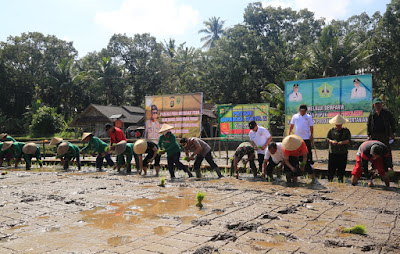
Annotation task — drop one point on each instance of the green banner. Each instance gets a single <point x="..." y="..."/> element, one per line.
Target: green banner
<point x="328" y="97"/>
<point x="234" y="119"/>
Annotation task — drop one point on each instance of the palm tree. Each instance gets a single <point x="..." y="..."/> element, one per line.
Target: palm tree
<point x="213" y="30"/>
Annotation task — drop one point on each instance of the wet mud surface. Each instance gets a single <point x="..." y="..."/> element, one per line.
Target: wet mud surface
<point x="53" y="211"/>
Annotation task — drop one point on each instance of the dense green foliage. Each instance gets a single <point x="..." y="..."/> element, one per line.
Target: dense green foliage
<point x="45" y="122"/>
<point x="246" y="63"/>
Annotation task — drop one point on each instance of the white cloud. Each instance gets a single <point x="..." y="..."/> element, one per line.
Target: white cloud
<point x="157" y="17"/>
<point x="328" y="9"/>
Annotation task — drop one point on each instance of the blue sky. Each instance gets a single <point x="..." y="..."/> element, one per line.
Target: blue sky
<point x="91" y="23"/>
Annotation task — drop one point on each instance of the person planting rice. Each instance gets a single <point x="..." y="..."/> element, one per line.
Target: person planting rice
<point x="31" y="150"/>
<point x="273" y="157"/>
<point x="378" y="154"/>
<point x="5" y="154"/>
<point x="167" y="141"/>
<point x="66" y="152"/>
<point x="151" y="149"/>
<point x="123" y="149"/>
<point x="15" y="148"/>
<point x="201" y="150"/>
<point x="245" y="148"/>
<point x="294" y="157"/>
<point x="260" y="138"/>
<point x="98" y="147"/>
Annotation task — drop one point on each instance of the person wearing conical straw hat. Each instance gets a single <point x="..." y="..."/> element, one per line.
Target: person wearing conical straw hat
<point x="15" y="148"/>
<point x="245" y="148"/>
<point x="167" y="143"/>
<point x="294" y="157"/>
<point x="303" y="126"/>
<point x="66" y="152"/>
<point x="98" y="147"/>
<point x="151" y="149"/>
<point x="124" y="149"/>
<point x="31" y="150"/>
<point x="5" y="154"/>
<point x="338" y="138"/>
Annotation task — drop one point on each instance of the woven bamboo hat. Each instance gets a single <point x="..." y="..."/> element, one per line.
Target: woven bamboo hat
<point x="3" y="135"/>
<point x="55" y="141"/>
<point x="291" y="142"/>
<point x="29" y="148"/>
<point x="62" y="148"/>
<point x="86" y="134"/>
<point x="165" y="127"/>
<point x="140" y="146"/>
<point x="120" y="147"/>
<point x="338" y="119"/>
<point x="7" y="145"/>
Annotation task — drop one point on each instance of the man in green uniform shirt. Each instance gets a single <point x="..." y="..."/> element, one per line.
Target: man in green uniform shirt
<point x="124" y="150"/>
<point x="66" y="152"/>
<point x="31" y="150"/>
<point x="97" y="146"/>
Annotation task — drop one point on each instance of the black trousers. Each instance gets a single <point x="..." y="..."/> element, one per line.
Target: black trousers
<point x="294" y="161"/>
<point x="337" y="162"/>
<point x="209" y="159"/>
<point x="270" y="167"/>
<point x="173" y="161"/>
<point x="260" y="159"/>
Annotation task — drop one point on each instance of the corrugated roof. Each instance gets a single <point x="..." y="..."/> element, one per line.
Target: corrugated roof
<point x="108" y="111"/>
<point x="134" y="109"/>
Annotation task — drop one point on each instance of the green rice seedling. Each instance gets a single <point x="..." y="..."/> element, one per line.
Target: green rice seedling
<point x="363" y="183"/>
<point x="185" y="158"/>
<point x="226" y="171"/>
<point x="320" y="177"/>
<point x="4" y="173"/>
<point x="200" y="196"/>
<point x="392" y="175"/>
<point x="302" y="164"/>
<point x="162" y="183"/>
<point x="358" y="229"/>
<point x="160" y="151"/>
<point x="398" y="183"/>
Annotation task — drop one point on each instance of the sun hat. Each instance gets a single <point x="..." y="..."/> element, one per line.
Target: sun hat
<point x="120" y="147"/>
<point x="165" y="127"/>
<point x="29" y="148"/>
<point x="338" y="119"/>
<point x="356" y="80"/>
<point x="3" y="135"/>
<point x="292" y="142"/>
<point x="55" y="141"/>
<point x="86" y="134"/>
<point x="62" y="148"/>
<point x="7" y="145"/>
<point x="140" y="146"/>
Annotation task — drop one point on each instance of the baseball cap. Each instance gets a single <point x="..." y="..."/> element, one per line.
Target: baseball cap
<point x="252" y="124"/>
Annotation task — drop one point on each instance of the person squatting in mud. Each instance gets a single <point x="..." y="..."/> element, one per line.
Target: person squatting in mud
<point x="200" y="151"/>
<point x="378" y="154"/>
<point x="5" y="154"/>
<point x="294" y="157"/>
<point x="67" y="152"/>
<point x="151" y="149"/>
<point x="273" y="157"/>
<point x="124" y="152"/>
<point x="98" y="147"/>
<point x="245" y="148"/>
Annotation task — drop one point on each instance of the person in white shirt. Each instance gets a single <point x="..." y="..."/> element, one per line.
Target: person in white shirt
<point x="260" y="138"/>
<point x="295" y="95"/>
<point x="358" y="91"/>
<point x="303" y="125"/>
<point x="273" y="156"/>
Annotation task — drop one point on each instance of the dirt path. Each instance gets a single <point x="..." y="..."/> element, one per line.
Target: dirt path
<point x="104" y="212"/>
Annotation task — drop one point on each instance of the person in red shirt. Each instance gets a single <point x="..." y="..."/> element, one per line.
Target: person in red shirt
<point x="115" y="133"/>
<point x="294" y="150"/>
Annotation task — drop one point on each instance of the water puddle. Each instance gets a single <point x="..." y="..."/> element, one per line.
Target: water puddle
<point x="162" y="230"/>
<point x="127" y="215"/>
<point x="118" y="240"/>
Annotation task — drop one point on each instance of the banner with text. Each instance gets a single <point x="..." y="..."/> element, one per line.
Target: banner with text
<point x="350" y="96"/>
<point x="183" y="111"/>
<point x="234" y="119"/>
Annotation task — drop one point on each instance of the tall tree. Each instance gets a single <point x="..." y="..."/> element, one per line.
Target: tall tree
<point x="213" y="31"/>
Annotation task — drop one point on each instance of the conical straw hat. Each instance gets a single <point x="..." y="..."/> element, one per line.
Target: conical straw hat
<point x="291" y="142"/>
<point x="62" y="148"/>
<point x="338" y="119"/>
<point x="120" y="147"/>
<point x="7" y="145"/>
<point x="86" y="134"/>
<point x="140" y="146"/>
<point x="29" y="148"/>
<point x="55" y="141"/>
<point x="3" y="135"/>
<point x="165" y="127"/>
